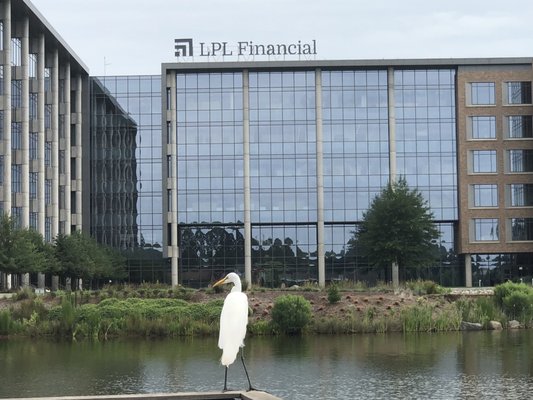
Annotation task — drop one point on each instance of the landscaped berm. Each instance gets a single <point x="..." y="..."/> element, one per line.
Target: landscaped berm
<point x="155" y="310"/>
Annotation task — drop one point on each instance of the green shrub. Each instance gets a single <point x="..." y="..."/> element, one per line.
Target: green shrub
<point x="6" y="323"/>
<point x="334" y="295"/>
<point x="291" y="314"/>
<point x="420" y="287"/>
<point x="260" y="328"/>
<point x="507" y="288"/>
<point x="518" y="305"/>
<point x="23" y="294"/>
<point x="418" y="318"/>
<point x="27" y="308"/>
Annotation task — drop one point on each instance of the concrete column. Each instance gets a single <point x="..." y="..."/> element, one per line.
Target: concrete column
<point x="170" y="179"/>
<point x="66" y="144"/>
<point x="55" y="143"/>
<point x="41" y="209"/>
<point x="7" y="111"/>
<point x="25" y="222"/>
<point x="79" y="154"/>
<point x="40" y="280"/>
<point x="320" y="180"/>
<point x="41" y="169"/>
<point x="25" y="133"/>
<point x="468" y="270"/>
<point x="392" y="154"/>
<point x="246" y="178"/>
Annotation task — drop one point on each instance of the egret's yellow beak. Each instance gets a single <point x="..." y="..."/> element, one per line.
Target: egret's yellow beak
<point x="221" y="282"/>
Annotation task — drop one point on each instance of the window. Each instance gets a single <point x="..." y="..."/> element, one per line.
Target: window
<point x="47" y="79"/>
<point x="32" y="67"/>
<point x="521" y="228"/>
<point x="485" y="195"/>
<point x="1" y="169"/>
<point x="33" y="105"/>
<point x="16" y="93"/>
<point x="483" y="161"/>
<point x="521" y="194"/>
<point x="16" y="214"/>
<point x="33" y="145"/>
<point x="483" y="127"/>
<point x="521" y="160"/>
<point x="519" y="126"/>
<point x="16" y="135"/>
<point x="519" y="92"/>
<point x="486" y="229"/>
<point x="48" y="154"/>
<point x="48" y="229"/>
<point x="16" y="178"/>
<point x="48" y="191"/>
<point x="16" y="52"/>
<point x="482" y="93"/>
<point x="62" y="161"/>
<point x="48" y="116"/>
<point x="33" y="185"/>
<point x="33" y="220"/>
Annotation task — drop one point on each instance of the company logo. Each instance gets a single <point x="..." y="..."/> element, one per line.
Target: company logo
<point x="183" y="47"/>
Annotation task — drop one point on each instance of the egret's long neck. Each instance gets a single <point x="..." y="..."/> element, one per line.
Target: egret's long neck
<point x="237" y="287"/>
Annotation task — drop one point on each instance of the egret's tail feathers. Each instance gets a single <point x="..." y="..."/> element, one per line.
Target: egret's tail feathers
<point x="229" y="355"/>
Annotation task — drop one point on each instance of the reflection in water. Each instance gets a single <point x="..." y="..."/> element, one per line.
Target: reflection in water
<point x="394" y="366"/>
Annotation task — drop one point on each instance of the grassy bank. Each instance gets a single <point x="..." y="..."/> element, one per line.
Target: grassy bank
<point x="164" y="312"/>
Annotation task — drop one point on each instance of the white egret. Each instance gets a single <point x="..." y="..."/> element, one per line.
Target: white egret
<point x="233" y="321"/>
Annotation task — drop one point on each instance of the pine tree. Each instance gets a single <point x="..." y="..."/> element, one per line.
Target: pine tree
<point x="398" y="229"/>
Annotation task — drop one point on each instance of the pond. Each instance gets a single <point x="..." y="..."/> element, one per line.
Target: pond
<point x="454" y="365"/>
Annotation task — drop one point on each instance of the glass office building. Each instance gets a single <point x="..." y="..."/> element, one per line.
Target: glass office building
<point x="270" y="166"/>
<point x="126" y="183"/>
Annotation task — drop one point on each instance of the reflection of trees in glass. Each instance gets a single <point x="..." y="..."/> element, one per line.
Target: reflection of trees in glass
<point x="207" y="253"/>
<point x="114" y="171"/>
<point x="522" y="228"/>
<point x="493" y="269"/>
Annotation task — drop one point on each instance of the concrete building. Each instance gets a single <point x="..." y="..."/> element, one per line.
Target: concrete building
<point x="43" y="112"/>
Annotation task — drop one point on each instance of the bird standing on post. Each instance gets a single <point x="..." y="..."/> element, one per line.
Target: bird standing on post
<point x="233" y="321"/>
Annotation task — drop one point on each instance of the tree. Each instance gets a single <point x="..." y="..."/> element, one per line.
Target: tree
<point x="398" y="229"/>
<point x="80" y="256"/>
<point x="22" y="250"/>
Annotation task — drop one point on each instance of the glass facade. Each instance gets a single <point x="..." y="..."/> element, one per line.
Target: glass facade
<point x="492" y="269"/>
<point x="283" y="176"/>
<point x="356" y="164"/>
<point x="210" y="175"/>
<point x="126" y="191"/>
<point x="281" y="117"/>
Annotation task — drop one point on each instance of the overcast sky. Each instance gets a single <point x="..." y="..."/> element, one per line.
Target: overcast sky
<point x="129" y="37"/>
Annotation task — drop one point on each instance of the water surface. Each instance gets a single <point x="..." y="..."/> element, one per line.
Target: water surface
<point x="459" y="365"/>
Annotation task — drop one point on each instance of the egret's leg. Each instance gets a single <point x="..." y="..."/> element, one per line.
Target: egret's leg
<point x="246" y="371"/>
<point x="225" y="379"/>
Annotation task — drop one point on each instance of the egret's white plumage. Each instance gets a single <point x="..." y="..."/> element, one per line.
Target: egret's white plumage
<point x="233" y="320"/>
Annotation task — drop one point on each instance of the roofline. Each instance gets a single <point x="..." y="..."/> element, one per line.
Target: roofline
<point x="382" y="63"/>
<point x="55" y="34"/>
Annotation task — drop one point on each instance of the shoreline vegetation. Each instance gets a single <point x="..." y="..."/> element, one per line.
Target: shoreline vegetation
<point x="342" y="308"/>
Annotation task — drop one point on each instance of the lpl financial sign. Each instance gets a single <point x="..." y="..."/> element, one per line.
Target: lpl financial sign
<point x="185" y="48"/>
